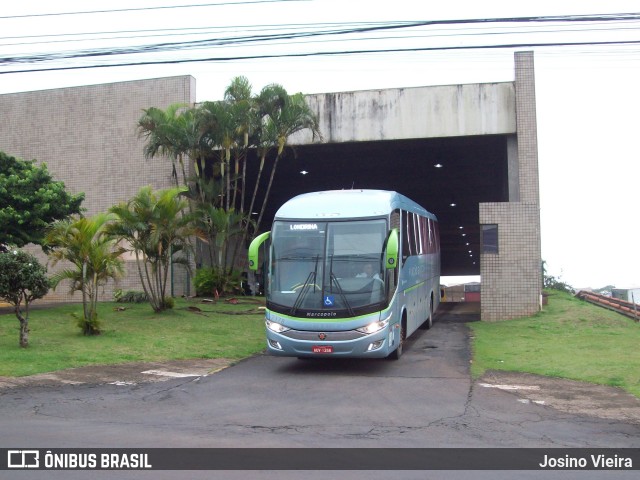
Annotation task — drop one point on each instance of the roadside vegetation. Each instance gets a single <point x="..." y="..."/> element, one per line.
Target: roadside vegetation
<point x="204" y="221"/>
<point x="132" y="332"/>
<point x="569" y="339"/>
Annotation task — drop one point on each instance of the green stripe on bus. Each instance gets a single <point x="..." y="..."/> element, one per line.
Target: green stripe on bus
<point x="410" y="289"/>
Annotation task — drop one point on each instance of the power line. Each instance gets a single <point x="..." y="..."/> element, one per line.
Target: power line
<point x="329" y="53"/>
<point x="617" y="17"/>
<point x="264" y="37"/>
<point x="197" y="31"/>
<point x="166" y="7"/>
<point x="323" y="33"/>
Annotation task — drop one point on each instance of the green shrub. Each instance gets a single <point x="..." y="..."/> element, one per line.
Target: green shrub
<point x="130" y="296"/>
<point x="168" y="303"/>
<point x="210" y="280"/>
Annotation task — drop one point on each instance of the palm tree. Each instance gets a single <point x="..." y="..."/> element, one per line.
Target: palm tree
<point x="284" y="115"/>
<point x="158" y="127"/>
<point x="238" y="95"/>
<point x="218" y="128"/>
<point x="269" y="100"/>
<point x="221" y="227"/>
<point x="157" y="231"/>
<point x="94" y="257"/>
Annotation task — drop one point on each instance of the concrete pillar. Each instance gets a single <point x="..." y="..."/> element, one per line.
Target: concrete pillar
<point x="511" y="277"/>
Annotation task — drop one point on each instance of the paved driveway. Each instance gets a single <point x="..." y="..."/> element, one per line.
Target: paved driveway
<point x="427" y="399"/>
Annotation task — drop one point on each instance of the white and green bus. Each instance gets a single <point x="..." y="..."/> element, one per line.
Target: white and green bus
<point x="349" y="273"/>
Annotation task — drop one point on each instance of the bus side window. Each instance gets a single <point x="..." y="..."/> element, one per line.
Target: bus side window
<point x="406" y="249"/>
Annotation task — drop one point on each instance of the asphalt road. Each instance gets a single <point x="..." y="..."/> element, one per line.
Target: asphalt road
<point x="426" y="399"/>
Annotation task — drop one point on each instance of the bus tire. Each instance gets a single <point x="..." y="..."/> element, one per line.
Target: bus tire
<point x="397" y="353"/>
<point x="428" y="323"/>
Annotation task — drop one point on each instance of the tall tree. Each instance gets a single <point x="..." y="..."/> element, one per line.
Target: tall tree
<point x="218" y="127"/>
<point x="170" y="133"/>
<point x="224" y="131"/>
<point x="22" y="280"/>
<point x="29" y="200"/>
<point x="94" y="258"/>
<point x="239" y="95"/>
<point x="157" y="231"/>
<point x="283" y="116"/>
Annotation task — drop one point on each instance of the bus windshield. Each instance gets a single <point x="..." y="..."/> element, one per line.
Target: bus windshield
<point x="331" y="267"/>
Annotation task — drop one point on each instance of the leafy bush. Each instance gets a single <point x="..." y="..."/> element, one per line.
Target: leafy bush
<point x="210" y="281"/>
<point x="169" y="303"/>
<point x="130" y="296"/>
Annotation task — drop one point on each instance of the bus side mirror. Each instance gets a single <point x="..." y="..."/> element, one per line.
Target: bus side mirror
<point x="391" y="257"/>
<point x="254" y="248"/>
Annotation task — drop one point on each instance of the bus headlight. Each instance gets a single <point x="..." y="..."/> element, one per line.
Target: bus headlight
<point x="275" y="327"/>
<point x="375" y="326"/>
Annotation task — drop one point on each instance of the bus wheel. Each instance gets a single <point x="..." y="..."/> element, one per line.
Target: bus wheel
<point x="428" y="323"/>
<point x="397" y="353"/>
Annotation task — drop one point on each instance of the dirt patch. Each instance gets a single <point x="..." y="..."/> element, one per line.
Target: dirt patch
<point x="567" y="395"/>
<point x="123" y="374"/>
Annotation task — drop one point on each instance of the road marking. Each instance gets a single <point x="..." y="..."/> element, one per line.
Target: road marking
<point x="511" y="387"/>
<point x="526" y="400"/>
<point x="162" y="373"/>
<point x="121" y="384"/>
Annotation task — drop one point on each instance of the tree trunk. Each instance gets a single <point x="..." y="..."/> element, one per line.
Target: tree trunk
<point x="268" y="191"/>
<point x="24" y="327"/>
<point x="255" y="188"/>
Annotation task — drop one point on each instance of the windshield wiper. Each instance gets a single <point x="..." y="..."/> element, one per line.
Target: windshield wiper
<point x="333" y="279"/>
<point x="311" y="280"/>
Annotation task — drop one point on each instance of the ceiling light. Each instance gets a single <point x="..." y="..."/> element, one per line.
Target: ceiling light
<point x="303" y="172"/>
<point x="438" y="165"/>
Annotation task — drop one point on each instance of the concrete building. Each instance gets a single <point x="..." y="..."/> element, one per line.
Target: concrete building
<point x="87" y="137"/>
<point x="468" y="153"/>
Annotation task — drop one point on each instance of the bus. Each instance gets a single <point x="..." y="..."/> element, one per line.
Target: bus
<point x="349" y="273"/>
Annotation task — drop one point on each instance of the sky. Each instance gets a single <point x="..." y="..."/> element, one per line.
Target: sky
<point x="588" y="96"/>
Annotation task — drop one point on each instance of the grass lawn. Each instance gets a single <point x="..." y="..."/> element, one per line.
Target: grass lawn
<point x="219" y="330"/>
<point x="570" y="338"/>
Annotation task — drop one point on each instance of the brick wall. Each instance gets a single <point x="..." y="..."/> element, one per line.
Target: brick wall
<point x="87" y="137"/>
<point x="512" y="278"/>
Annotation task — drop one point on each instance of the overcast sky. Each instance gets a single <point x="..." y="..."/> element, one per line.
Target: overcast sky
<point x="588" y="98"/>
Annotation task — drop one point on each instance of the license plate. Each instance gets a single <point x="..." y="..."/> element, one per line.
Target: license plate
<point x="322" y="349"/>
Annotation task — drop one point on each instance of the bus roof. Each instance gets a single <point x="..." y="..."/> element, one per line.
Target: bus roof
<point x="342" y="204"/>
